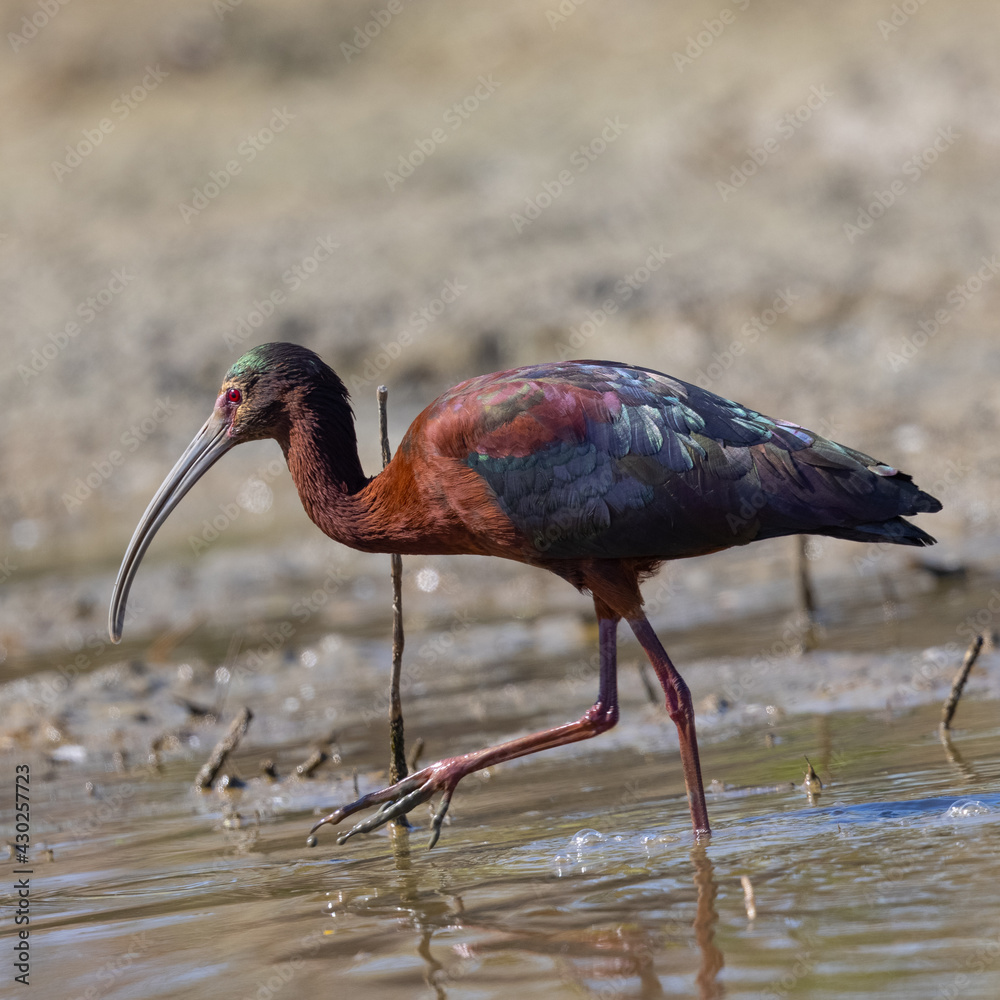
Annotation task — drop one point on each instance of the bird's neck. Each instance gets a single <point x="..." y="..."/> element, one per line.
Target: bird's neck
<point x="373" y="515"/>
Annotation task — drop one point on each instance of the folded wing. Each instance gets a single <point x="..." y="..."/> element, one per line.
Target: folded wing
<point x="593" y="459"/>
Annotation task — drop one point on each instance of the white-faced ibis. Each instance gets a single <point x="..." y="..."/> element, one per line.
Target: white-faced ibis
<point x="595" y="471"/>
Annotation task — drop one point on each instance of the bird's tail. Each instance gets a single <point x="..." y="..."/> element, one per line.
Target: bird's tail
<point x="839" y="492"/>
<point x="895" y="530"/>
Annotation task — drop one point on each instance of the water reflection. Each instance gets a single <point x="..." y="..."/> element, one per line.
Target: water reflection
<point x="492" y="912"/>
<point x="955" y="758"/>
<point x="616" y="943"/>
<point x="705" y="920"/>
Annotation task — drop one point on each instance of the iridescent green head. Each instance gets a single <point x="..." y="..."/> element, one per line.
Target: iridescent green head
<point x="258" y="389"/>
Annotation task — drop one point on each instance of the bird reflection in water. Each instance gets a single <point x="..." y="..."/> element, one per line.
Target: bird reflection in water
<point x="605" y="956"/>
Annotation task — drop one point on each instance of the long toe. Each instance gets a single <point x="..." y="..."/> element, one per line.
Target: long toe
<point x="397" y="800"/>
<point x="389" y="811"/>
<point x="439" y="817"/>
<point x="390" y="794"/>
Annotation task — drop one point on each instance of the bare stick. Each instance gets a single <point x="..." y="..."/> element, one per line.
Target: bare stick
<point x="807" y="601"/>
<point x="651" y="692"/>
<point x="804" y="592"/>
<point x="812" y="785"/>
<point x="415" y="751"/>
<point x="397" y="747"/>
<point x="968" y="662"/>
<point x="237" y="730"/>
<point x="308" y="767"/>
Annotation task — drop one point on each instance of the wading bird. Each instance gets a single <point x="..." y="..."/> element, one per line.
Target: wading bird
<point x="595" y="471"/>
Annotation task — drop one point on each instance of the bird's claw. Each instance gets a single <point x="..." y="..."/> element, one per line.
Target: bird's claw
<point x="386" y="812"/>
<point x="439" y="818"/>
<point x="397" y="800"/>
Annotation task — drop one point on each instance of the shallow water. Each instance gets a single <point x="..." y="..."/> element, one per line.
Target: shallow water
<point x="571" y="873"/>
<point x="573" y="876"/>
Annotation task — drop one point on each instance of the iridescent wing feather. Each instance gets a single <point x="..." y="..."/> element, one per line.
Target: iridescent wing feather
<point x="594" y="459"/>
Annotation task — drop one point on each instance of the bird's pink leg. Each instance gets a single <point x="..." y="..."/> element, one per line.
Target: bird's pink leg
<point x="682" y="712"/>
<point x="443" y="776"/>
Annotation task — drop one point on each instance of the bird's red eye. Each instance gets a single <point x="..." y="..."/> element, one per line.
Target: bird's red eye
<point x="234" y="395"/>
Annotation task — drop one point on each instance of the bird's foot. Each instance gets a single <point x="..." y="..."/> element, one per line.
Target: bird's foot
<point x="399" y="799"/>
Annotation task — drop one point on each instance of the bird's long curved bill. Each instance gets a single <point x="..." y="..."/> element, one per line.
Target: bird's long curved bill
<point x="208" y="446"/>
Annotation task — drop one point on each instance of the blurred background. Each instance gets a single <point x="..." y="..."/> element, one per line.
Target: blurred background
<point x="796" y="205"/>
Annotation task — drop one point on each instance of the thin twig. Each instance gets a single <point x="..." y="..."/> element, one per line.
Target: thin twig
<point x="308" y="767"/>
<point x="397" y="746"/>
<point x="651" y="693"/>
<point x="812" y="778"/>
<point x="415" y="752"/>
<point x="804" y="591"/>
<point x="812" y="786"/>
<point x="968" y="662"/>
<point x="807" y="601"/>
<point x="228" y="743"/>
